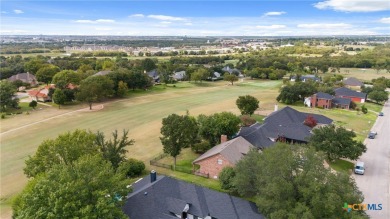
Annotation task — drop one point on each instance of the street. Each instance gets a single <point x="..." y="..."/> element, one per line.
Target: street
<point x="375" y="182"/>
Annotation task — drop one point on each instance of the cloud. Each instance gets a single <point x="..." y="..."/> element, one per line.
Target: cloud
<point x="165" y="22"/>
<point x="324" y="26"/>
<point x="385" y="20"/>
<point x="137" y="15"/>
<point x="98" y="21"/>
<point x="188" y="24"/>
<point x="12" y="31"/>
<point x="166" y="18"/>
<point x="354" y="5"/>
<point x="4" y="12"/>
<point x="274" y="13"/>
<point x="274" y="26"/>
<point x="103" y="28"/>
<point x="17" y="11"/>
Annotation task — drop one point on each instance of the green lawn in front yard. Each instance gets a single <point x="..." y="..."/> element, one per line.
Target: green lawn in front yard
<point x="342" y="166"/>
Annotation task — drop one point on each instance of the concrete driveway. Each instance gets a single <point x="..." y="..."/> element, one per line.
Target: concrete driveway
<point x="375" y="182"/>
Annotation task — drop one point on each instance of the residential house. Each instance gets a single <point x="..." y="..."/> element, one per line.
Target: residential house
<point x="25" y="78"/>
<point x="285" y="125"/>
<point x="215" y="76"/>
<point x="327" y="101"/>
<point x="305" y="78"/>
<point x="105" y="72"/>
<point x="41" y="94"/>
<point x="228" y="153"/>
<point x="232" y="71"/>
<point x="353" y="83"/>
<point x="154" y="75"/>
<point x="163" y="197"/>
<point x="179" y="76"/>
<point x="355" y="96"/>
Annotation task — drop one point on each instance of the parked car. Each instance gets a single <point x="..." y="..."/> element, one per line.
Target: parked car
<point x="380" y="114"/>
<point x="359" y="168"/>
<point x="372" y="135"/>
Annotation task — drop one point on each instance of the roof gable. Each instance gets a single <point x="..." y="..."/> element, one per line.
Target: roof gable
<point x="353" y="82"/>
<point x="343" y="91"/>
<point x="232" y="150"/>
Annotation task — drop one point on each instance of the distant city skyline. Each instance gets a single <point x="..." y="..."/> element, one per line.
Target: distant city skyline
<point x="196" y="18"/>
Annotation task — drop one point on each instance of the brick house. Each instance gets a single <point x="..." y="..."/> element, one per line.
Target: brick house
<point x="41" y="94"/>
<point x="327" y="101"/>
<point x="355" y="96"/>
<point x="228" y="153"/>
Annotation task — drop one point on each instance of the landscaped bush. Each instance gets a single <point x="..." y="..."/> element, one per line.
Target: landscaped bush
<point x="247" y="120"/>
<point x="226" y="178"/>
<point x="131" y="167"/>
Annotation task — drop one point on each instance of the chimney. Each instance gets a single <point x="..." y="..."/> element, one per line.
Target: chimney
<point x="153" y="176"/>
<point x="223" y="138"/>
<point x="276" y="108"/>
<point x="144" y="71"/>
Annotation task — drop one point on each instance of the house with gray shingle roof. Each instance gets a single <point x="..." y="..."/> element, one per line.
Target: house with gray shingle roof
<point x="355" y="96"/>
<point x="105" y="72"/>
<point x="353" y="83"/>
<point x="163" y="197"/>
<point x="228" y="153"/>
<point x="25" y="78"/>
<point x="327" y="101"/>
<point x="285" y="125"/>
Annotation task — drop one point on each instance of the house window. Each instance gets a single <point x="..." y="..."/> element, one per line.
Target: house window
<point x="219" y="161"/>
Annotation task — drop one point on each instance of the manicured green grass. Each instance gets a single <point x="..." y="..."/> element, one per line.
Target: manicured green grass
<point x="342" y="166"/>
<point x="183" y="161"/>
<point x="141" y="114"/>
<point x="258" y="118"/>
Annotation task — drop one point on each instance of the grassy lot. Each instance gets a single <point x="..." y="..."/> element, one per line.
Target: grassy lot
<point x="342" y="166"/>
<point x="141" y="114"/>
<point x="183" y="161"/>
<point x="363" y="74"/>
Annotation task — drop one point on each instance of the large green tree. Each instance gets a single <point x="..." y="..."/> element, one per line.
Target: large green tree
<point x="378" y="96"/>
<point x="288" y="181"/>
<point x="247" y="104"/>
<point x="178" y="132"/>
<point x="46" y="73"/>
<point x="63" y="78"/>
<point x="7" y="95"/>
<point x="65" y="149"/>
<point x="89" y="188"/>
<point x="94" y="89"/>
<point x="212" y="127"/>
<point x="292" y="93"/>
<point x="337" y="142"/>
<point x="59" y="97"/>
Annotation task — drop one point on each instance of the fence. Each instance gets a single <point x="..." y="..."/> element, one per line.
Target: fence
<point x="155" y="162"/>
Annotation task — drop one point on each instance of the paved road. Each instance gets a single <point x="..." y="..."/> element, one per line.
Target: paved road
<point x="375" y="182"/>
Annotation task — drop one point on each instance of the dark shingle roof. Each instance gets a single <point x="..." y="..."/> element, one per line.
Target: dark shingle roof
<point x="322" y="95"/>
<point x="341" y="101"/>
<point x="106" y="72"/>
<point x="232" y="150"/>
<point x="343" y="91"/>
<point x="286" y="122"/>
<point x="158" y="200"/>
<point x="352" y="82"/>
<point x="25" y="77"/>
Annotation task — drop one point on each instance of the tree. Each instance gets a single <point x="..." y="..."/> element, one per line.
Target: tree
<point x="310" y="121"/>
<point x="46" y="73"/>
<point x="94" y="89"/>
<point x="114" y="150"/>
<point x="148" y="64"/>
<point x="226" y="177"/>
<point x="212" y="127"/>
<point x="65" y="149"/>
<point x="63" y="78"/>
<point x="292" y="93"/>
<point x="131" y="167"/>
<point x="364" y="109"/>
<point x="89" y="188"/>
<point x="122" y="89"/>
<point x="288" y="181"/>
<point x="378" y="96"/>
<point x="247" y="104"/>
<point x="7" y="94"/>
<point x="200" y="75"/>
<point x="178" y="132"/>
<point x="337" y="142"/>
<point x="230" y="77"/>
<point x="59" y="97"/>
<point x="33" y="104"/>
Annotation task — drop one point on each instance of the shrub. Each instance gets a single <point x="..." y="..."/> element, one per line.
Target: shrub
<point x="364" y="109"/>
<point x="247" y="120"/>
<point x="353" y="105"/>
<point x="2" y="116"/>
<point x="226" y="177"/>
<point x="131" y="167"/>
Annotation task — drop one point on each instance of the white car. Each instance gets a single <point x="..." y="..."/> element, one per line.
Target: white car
<point x="359" y="168"/>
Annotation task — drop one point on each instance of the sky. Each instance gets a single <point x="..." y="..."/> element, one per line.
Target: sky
<point x="195" y="18"/>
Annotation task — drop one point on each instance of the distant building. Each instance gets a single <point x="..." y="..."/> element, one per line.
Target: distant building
<point x="327" y="101"/>
<point x="305" y="78"/>
<point x="179" y="76"/>
<point x="355" y="96"/>
<point x="352" y="83"/>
